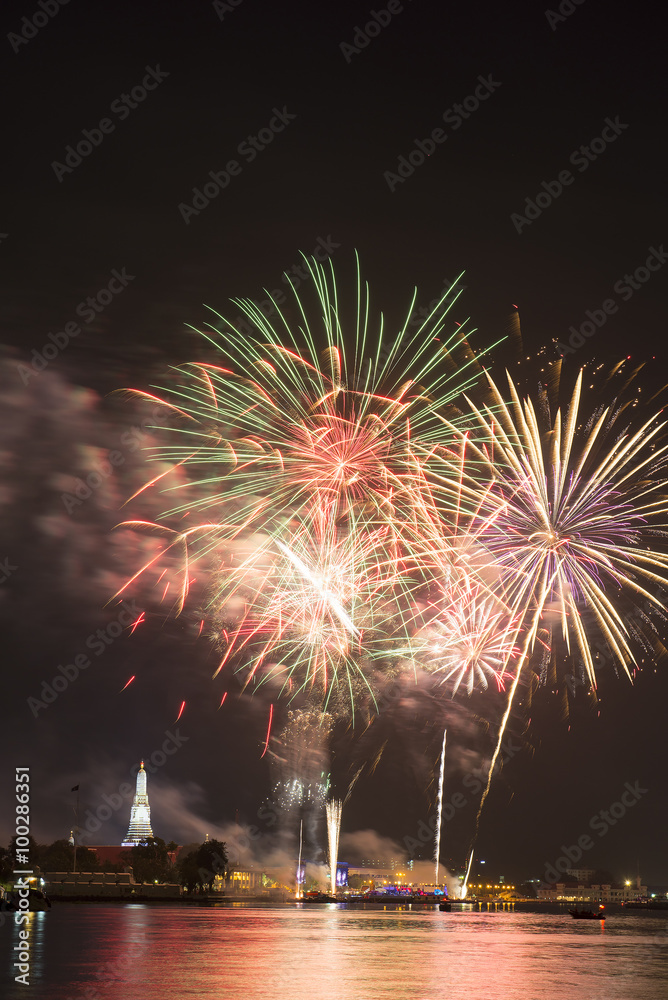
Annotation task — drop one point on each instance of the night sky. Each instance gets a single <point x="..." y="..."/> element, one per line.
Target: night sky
<point x="315" y="128"/>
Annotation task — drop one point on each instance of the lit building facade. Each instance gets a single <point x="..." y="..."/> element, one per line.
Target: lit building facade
<point x="140" y="817"/>
<point x="572" y="892"/>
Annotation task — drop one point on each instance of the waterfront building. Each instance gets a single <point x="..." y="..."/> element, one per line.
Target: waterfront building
<point x="139" y="829"/>
<point x="574" y="892"/>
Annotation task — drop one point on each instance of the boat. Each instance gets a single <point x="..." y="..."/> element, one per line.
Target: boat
<point x="37" y="901"/>
<point x="445" y="906"/>
<point x="588" y="914"/>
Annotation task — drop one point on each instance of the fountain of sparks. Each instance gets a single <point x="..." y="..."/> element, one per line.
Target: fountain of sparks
<point x="465" y="883"/>
<point x="437" y="843"/>
<point x="333" y="809"/>
<point x="299" y="892"/>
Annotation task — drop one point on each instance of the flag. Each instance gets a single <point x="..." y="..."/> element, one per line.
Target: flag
<point x="76" y="788"/>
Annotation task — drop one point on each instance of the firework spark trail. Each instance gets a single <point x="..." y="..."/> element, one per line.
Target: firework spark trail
<point x="567" y="523"/>
<point x="530" y="637"/>
<point x="469" y="639"/>
<point x="327" y="595"/>
<point x="353" y="783"/>
<point x="302" y="763"/>
<point x="567" y="514"/>
<point x="330" y="439"/>
<point x="465" y="883"/>
<point x="439" y="810"/>
<point x="308" y="614"/>
<point x="299" y="860"/>
<point x="358" y="516"/>
<point x="266" y="742"/>
<point x="333" y="808"/>
<point x="137" y="622"/>
<point x="300" y="423"/>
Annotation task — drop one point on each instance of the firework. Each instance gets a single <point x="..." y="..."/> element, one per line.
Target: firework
<point x="572" y="520"/>
<point x="301" y="761"/>
<point x="333" y="809"/>
<point x="470" y="642"/>
<point x="439" y="810"/>
<point x="299" y="423"/>
<point x="354" y="515"/>
<point x="304" y="462"/>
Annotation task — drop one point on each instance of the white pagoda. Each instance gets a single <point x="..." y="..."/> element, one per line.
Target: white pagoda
<point x="140" y="817"/>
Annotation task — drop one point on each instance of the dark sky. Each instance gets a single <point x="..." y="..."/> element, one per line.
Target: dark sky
<point x="221" y="73"/>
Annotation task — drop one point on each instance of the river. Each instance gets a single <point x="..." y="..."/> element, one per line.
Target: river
<point x="329" y="952"/>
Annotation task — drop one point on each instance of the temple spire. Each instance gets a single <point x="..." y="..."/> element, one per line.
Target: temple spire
<point x="140" y="817"/>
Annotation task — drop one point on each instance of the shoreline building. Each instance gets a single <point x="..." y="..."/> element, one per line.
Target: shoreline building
<point x="139" y="829"/>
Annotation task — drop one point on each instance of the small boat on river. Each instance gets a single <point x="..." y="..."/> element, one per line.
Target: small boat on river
<point x="588" y="914"/>
<point x="37" y="901"/>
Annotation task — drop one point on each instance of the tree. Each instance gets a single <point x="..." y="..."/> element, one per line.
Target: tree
<point x="6" y="865"/>
<point x="188" y="871"/>
<point x="59" y="857"/>
<point x="199" y="867"/>
<point x="150" y="862"/>
<point x="212" y="859"/>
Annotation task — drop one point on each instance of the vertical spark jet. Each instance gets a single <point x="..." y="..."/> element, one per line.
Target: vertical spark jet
<point x="333" y="809"/>
<point x="299" y="862"/>
<point x="439" y="809"/>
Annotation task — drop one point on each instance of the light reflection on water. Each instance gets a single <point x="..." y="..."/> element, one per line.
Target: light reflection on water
<point x="325" y="952"/>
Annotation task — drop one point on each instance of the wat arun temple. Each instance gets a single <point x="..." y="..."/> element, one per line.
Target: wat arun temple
<point x="140" y="817"/>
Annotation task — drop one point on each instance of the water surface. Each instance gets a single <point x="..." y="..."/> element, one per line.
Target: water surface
<point x="327" y="952"/>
